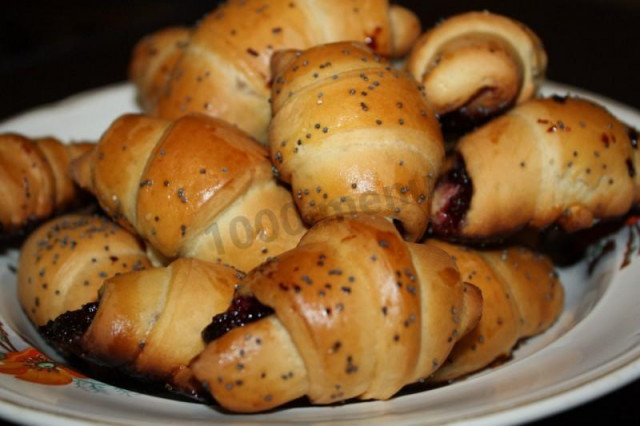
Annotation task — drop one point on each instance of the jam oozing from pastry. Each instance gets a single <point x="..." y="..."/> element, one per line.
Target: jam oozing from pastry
<point x="478" y="110"/>
<point x="65" y="334"/>
<point x="66" y="331"/>
<point x="243" y="310"/>
<point x="452" y="198"/>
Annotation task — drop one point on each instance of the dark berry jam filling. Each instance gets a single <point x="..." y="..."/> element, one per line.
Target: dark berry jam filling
<point x="474" y="113"/>
<point x="462" y="120"/>
<point x="453" y="197"/>
<point x="243" y="310"/>
<point x="66" y="331"/>
<point x="65" y="334"/>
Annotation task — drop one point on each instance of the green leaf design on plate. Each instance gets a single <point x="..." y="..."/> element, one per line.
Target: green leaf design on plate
<point x="90" y="385"/>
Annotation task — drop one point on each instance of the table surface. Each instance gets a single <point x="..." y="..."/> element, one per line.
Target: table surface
<point x="51" y="50"/>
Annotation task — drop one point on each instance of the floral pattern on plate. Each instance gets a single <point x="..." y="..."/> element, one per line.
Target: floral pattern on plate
<point x="31" y="365"/>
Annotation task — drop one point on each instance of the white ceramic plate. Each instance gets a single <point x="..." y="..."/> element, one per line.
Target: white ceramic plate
<point x="593" y="348"/>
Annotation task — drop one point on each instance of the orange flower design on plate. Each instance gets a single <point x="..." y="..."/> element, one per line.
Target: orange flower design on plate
<point x="33" y="366"/>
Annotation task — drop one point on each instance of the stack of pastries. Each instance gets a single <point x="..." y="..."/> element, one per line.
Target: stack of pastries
<point x="284" y="221"/>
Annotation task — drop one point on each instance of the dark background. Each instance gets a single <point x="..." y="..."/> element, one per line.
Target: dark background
<point x="51" y="50"/>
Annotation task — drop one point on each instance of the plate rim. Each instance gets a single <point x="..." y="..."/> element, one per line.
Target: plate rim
<point x="547" y="405"/>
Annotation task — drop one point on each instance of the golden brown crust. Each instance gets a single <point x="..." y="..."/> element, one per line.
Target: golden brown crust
<point x="358" y="313"/>
<point x="522" y="296"/>
<point x="405" y="29"/>
<point x="152" y="61"/>
<point x="65" y="261"/>
<point x="479" y="62"/>
<point x="150" y="322"/>
<point x="351" y="134"/>
<point x="195" y="187"/>
<point x="557" y="159"/>
<point x="224" y="71"/>
<point x="34" y="181"/>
